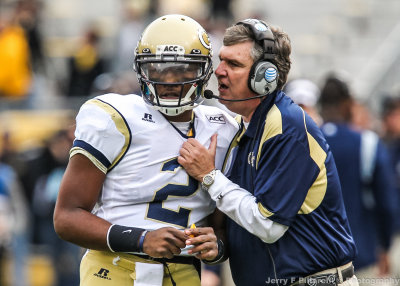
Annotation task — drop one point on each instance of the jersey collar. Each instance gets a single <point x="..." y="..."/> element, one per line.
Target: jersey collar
<point x="191" y="132"/>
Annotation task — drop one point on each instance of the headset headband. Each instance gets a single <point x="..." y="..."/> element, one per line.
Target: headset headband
<point x="263" y="36"/>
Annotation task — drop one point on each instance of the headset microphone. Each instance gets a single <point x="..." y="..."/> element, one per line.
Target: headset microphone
<point x="208" y="94"/>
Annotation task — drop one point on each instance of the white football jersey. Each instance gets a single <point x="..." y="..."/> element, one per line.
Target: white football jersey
<point x="137" y="148"/>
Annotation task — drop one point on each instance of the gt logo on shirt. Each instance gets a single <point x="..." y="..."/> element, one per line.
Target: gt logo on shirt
<point x="250" y="159"/>
<point x="219" y="118"/>
<point x="103" y="273"/>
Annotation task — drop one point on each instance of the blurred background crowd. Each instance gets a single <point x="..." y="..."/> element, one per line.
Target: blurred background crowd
<point x="55" y="54"/>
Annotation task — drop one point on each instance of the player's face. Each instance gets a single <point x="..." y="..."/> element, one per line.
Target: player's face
<point x="170" y="74"/>
<point x="232" y="74"/>
<point x="173" y="91"/>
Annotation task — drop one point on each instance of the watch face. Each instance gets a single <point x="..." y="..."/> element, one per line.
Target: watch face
<point x="208" y="180"/>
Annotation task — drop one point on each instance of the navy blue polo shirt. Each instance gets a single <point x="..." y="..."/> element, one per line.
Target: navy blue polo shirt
<point x="285" y="162"/>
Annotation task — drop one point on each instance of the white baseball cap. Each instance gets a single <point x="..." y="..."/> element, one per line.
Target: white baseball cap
<point x="303" y="91"/>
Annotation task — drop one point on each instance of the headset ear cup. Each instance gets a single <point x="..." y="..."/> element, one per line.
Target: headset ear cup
<point x="250" y="79"/>
<point x="263" y="77"/>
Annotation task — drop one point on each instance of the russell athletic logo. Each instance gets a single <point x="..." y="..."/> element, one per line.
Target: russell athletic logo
<point x="103" y="273"/>
<point x="219" y="118"/>
<point x="148" y="117"/>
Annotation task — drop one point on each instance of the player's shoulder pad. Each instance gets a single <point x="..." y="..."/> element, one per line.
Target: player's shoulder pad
<point x="119" y="99"/>
<point x="112" y="102"/>
<point x="100" y="113"/>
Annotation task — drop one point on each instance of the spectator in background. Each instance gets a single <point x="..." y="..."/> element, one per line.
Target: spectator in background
<point x="22" y="65"/>
<point x="362" y="117"/>
<point x="364" y="171"/>
<point x="391" y="120"/>
<point x="221" y="9"/>
<point x="391" y="133"/>
<point x="306" y="94"/>
<point x="28" y="16"/>
<point x="5" y="227"/>
<point x="133" y="23"/>
<point x="85" y="65"/>
<point x="41" y="161"/>
<point x="43" y="173"/>
<point x="65" y="256"/>
<point x="15" y="61"/>
<point x="14" y="222"/>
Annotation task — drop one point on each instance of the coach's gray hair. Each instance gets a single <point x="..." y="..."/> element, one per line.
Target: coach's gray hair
<point x="239" y="33"/>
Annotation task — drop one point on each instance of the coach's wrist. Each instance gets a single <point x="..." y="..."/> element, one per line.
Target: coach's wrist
<point x="220" y="256"/>
<point x="208" y="179"/>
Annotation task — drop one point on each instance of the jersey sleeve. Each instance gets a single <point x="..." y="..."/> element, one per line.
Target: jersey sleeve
<point x="101" y="134"/>
<point x="285" y="178"/>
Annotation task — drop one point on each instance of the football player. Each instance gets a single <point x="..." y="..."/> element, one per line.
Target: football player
<point x="124" y="196"/>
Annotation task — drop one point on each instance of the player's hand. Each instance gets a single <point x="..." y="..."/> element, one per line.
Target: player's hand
<point x="196" y="159"/>
<point x="204" y="241"/>
<point x="164" y="242"/>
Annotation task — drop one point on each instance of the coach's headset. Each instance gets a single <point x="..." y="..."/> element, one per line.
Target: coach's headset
<point x="263" y="76"/>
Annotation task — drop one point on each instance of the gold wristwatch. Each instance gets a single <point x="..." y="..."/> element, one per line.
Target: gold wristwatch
<point x="208" y="180"/>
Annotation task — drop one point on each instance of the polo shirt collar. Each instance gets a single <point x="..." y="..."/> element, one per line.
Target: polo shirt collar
<point x="260" y="113"/>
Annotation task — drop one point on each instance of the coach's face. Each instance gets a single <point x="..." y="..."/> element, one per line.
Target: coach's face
<point x="232" y="74"/>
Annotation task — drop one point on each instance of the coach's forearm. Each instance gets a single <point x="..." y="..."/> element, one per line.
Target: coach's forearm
<point x="240" y="205"/>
